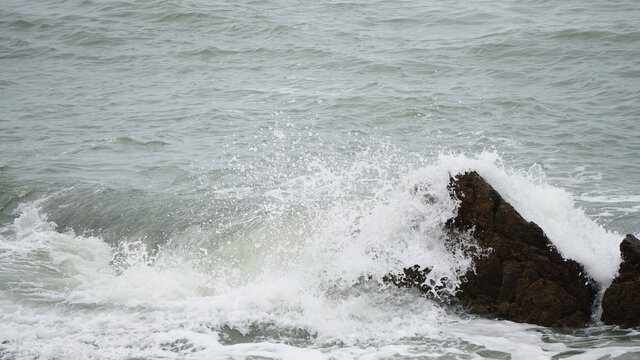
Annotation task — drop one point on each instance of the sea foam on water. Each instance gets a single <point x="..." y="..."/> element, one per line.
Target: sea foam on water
<point x="320" y="295"/>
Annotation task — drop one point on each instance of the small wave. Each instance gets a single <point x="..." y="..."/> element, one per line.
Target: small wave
<point x="193" y="17"/>
<point x="84" y="269"/>
<point x="93" y="38"/>
<point x="208" y="53"/>
<point x="113" y="143"/>
<point x="21" y="24"/>
<point x="594" y="35"/>
<point x="610" y="199"/>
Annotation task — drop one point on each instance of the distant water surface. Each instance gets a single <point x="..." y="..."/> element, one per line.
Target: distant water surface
<point x="204" y="179"/>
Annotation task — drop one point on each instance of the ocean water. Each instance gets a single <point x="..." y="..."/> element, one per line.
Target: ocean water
<point x="218" y="180"/>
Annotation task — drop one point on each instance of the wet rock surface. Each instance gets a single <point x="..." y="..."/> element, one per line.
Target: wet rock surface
<point x="519" y="276"/>
<point x="412" y="277"/>
<point x="620" y="301"/>
<point x="523" y="278"/>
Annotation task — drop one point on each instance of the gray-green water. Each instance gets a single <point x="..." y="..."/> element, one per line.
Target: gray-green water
<point x="208" y="179"/>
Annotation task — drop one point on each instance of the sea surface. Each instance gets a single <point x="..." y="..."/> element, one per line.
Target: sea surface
<point x="218" y="179"/>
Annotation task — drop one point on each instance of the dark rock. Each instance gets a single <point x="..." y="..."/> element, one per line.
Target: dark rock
<point x="523" y="277"/>
<point x="412" y="277"/>
<point x="621" y="299"/>
<point x="519" y="275"/>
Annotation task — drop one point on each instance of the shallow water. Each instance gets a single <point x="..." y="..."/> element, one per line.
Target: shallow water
<point x="211" y="180"/>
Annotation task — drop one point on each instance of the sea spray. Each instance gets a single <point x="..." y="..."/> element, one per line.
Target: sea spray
<point x="219" y="161"/>
<point x="575" y="235"/>
<point x="285" y="283"/>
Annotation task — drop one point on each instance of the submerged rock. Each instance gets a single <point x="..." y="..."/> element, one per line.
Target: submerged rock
<point x="523" y="277"/>
<point x="621" y="299"/>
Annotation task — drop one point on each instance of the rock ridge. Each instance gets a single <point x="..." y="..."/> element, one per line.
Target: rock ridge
<point x="518" y="274"/>
<point x="524" y="278"/>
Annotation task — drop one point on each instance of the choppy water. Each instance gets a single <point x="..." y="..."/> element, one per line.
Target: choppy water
<point x="201" y="179"/>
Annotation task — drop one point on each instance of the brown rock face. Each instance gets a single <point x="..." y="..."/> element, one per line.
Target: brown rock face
<point x="412" y="277"/>
<point x="523" y="278"/>
<point x="621" y="299"/>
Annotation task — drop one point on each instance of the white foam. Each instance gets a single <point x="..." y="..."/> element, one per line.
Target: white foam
<point x="576" y="236"/>
<point x="296" y="269"/>
<point x="83" y="266"/>
<point x="610" y="199"/>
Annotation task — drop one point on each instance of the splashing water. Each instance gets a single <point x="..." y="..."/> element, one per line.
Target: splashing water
<point x="290" y="282"/>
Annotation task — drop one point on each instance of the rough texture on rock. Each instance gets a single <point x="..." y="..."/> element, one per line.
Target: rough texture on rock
<point x="523" y="277"/>
<point x="412" y="277"/>
<point x="620" y="301"/>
